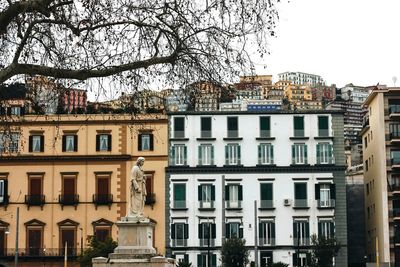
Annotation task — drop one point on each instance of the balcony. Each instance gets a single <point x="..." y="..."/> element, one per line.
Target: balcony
<point x="179" y="204"/>
<point x="206" y="204"/>
<point x="304" y="241"/>
<point x="179" y="242"/>
<point x="394" y="110"/>
<point x="68" y="200"/>
<point x="266" y="241"/>
<point x="300" y="204"/>
<point x="267" y="204"/>
<point x="395" y="162"/>
<point x="394" y="137"/>
<point x="326" y="204"/>
<point x="103" y="199"/>
<point x="204" y="242"/>
<point x="233" y="204"/>
<point x="35" y="200"/>
<point x="150" y="199"/>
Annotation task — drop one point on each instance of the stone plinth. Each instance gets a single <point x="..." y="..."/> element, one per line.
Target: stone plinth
<point x="135" y="246"/>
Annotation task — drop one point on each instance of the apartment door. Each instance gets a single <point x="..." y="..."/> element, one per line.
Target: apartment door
<point x="68" y="238"/>
<point x="2" y="241"/>
<point x="34" y="241"/>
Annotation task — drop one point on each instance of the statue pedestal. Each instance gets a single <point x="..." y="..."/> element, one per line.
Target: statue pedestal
<point x="135" y="246"/>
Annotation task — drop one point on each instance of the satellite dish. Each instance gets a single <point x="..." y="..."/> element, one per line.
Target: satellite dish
<point x="394" y="79"/>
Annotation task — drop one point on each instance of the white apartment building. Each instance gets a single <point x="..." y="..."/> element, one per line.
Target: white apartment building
<point x="289" y="164"/>
<point x="301" y="78"/>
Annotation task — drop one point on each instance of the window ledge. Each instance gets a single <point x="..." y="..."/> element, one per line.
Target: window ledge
<point x="206" y="209"/>
<point x="179" y="166"/>
<point x="302" y="165"/>
<point x="326" y="208"/>
<point x="233" y="138"/>
<point x="271" y="208"/>
<point x="323" y="137"/>
<point x="234" y="209"/>
<point x="265" y="138"/>
<point x="301" y="208"/>
<point x="179" y="209"/>
<point x="324" y="164"/>
<point x="179" y="139"/>
<point x="233" y="166"/>
<point x="299" y="138"/>
<point x="206" y="166"/>
<point x="206" y="139"/>
<point x="266" y="165"/>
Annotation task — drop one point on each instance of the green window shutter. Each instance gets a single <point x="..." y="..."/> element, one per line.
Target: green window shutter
<point x="173" y="231"/>
<point x="305" y="154"/>
<point x="293" y="154"/>
<point x="299" y="123"/>
<point x="200" y="230"/>
<point x="261" y="230"/>
<point x="266" y="191"/>
<point x="300" y="190"/>
<point x="240" y="189"/>
<point x="212" y="155"/>
<point x="323" y="123"/>
<point x="172" y="152"/>
<point x="179" y="192"/>
<point x="227" y="192"/>
<point x="185" y="155"/>
<point x="199" y="193"/>
<point x="240" y="232"/>
<point x="319" y="229"/>
<point x="330" y="155"/>
<point x="186" y="258"/>
<point x="64" y="143"/>
<point x="140" y="142"/>
<point x="294" y="230"/>
<point x="200" y="156"/>
<point x="226" y="155"/>
<point x="213" y="230"/>
<point x="307" y="229"/>
<point x="317" y="191"/>
<point x="213" y="260"/>
<point x="332" y="229"/>
<point x="199" y="260"/>
<point x="271" y="147"/>
<point x="239" y="157"/>
<point x="259" y="154"/>
<point x="212" y="192"/>
<point x="318" y="154"/>
<point x="308" y="259"/>
<point x="227" y="230"/>
<point x="294" y="258"/>
<point x="41" y="143"/>
<point x="333" y="191"/>
<point x="273" y="229"/>
<point x="186" y="231"/>
<point x="75" y="143"/>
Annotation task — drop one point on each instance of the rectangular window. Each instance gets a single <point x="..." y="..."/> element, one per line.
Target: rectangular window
<point x="145" y="142"/>
<point x="102" y="233"/>
<point x="179" y="234"/>
<point x="301" y="232"/>
<point x="179" y="127"/>
<point x="395" y="157"/>
<point x="150" y="195"/>
<point x="206" y="154"/>
<point x="300" y="195"/>
<point x="323" y="126"/>
<point x="103" y="194"/>
<point x="36" y="143"/>
<point x="265" y="126"/>
<point x="103" y="142"/>
<point x="326" y="228"/>
<point x="16" y="111"/>
<point x="179" y="196"/>
<point x="35" y="195"/>
<point x="206" y="196"/>
<point x="70" y="143"/>
<point x="3" y="191"/>
<point x="234" y="230"/>
<point x="233" y="129"/>
<point x="266" y="195"/>
<point x="265" y="154"/>
<point x="266" y="234"/>
<point x="298" y="126"/>
<point x="34" y="240"/>
<point x="9" y="142"/>
<point x="232" y="154"/>
<point x="206" y="127"/>
<point x="233" y="196"/>
<point x="207" y="234"/>
<point x="178" y="155"/>
<point x="68" y="196"/>
<point x="301" y="259"/>
<point x="299" y="154"/>
<point x="325" y="153"/>
<point x="325" y="195"/>
<point x="203" y="261"/>
<point x="394" y="130"/>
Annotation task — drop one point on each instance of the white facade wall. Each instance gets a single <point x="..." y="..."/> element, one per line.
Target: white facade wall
<point x="281" y="126"/>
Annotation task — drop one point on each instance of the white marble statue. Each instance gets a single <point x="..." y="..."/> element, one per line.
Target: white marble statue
<point x="138" y="190"/>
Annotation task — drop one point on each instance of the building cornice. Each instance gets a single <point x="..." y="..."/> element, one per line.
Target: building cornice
<point x="35" y="158"/>
<point x="282" y="112"/>
<point x="255" y="169"/>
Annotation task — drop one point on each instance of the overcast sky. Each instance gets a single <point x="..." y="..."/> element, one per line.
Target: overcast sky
<point x="344" y="41"/>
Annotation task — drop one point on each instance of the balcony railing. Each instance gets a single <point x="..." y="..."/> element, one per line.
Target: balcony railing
<point x="265" y="133"/>
<point x="323" y="132"/>
<point x="266" y="241"/>
<point x="304" y="241"/>
<point x="395" y="161"/>
<point x="325" y="160"/>
<point x="204" y="242"/>
<point x="179" y="134"/>
<point x="67" y="199"/>
<point x="102" y="199"/>
<point x="150" y="199"/>
<point x="298" y="133"/>
<point x="206" y="204"/>
<point x="179" y="204"/>
<point x="330" y="203"/>
<point x="179" y="242"/>
<point x="233" y="204"/>
<point x="40" y="252"/>
<point x="266" y="204"/>
<point x="35" y="200"/>
<point x="300" y="203"/>
<point x="233" y="133"/>
<point x="205" y="134"/>
<point x="394" y="109"/>
<point x="394" y="135"/>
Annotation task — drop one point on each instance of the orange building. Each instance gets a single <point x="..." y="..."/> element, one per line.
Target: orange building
<point x="69" y="177"/>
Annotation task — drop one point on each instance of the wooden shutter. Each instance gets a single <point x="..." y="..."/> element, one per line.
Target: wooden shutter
<point x="227" y="192"/>
<point x="98" y="142"/>
<point x="318" y="154"/>
<point x="140" y="142"/>
<point x="75" y="143"/>
<point x="64" y="143"/>
<point x="173" y="231"/>
<point x="273" y="229"/>
<point x="151" y="137"/>
<point x="186" y="231"/>
<point x="227" y="230"/>
<point x="333" y="191"/>
<point x="317" y="191"/>
<point x="41" y="143"/>
<point x="199" y="155"/>
<point x="240" y="232"/>
<point x="199" y="193"/>
<point x="200" y="229"/>
<point x="213" y="230"/>
<point x="109" y="142"/>
<point x="240" y="190"/>
<point x="212" y="192"/>
<point x="239" y="156"/>
<point x="185" y="155"/>
<point x="259" y="154"/>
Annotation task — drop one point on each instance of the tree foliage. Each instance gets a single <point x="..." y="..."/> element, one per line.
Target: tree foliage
<point x="97" y="249"/>
<point x="323" y="251"/>
<point x="132" y="39"/>
<point x="234" y="253"/>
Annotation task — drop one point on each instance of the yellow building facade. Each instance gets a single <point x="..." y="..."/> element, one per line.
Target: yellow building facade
<point x="69" y="176"/>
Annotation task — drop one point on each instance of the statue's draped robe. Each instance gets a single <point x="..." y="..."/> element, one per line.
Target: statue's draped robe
<point x="137" y="199"/>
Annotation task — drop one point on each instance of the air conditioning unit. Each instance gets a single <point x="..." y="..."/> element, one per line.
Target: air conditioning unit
<point x="286" y="202"/>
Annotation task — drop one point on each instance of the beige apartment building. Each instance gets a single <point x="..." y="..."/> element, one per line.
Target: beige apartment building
<point x="69" y="176"/>
<point x="381" y="158"/>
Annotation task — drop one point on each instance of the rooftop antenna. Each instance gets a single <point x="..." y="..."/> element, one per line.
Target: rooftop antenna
<point x="394" y="79"/>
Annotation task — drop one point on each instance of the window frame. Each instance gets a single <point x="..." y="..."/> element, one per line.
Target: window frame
<point x="232" y="154"/>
